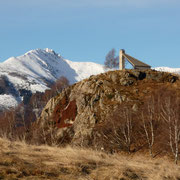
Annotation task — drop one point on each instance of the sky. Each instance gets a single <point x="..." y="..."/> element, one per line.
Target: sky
<point x="86" y="30"/>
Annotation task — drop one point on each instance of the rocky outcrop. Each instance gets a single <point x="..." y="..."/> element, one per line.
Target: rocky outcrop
<point x="79" y="108"/>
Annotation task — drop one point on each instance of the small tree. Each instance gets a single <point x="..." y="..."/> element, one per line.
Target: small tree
<point x="149" y="117"/>
<point x="59" y="85"/>
<point x="111" y="61"/>
<point x="171" y="116"/>
<point x="127" y="129"/>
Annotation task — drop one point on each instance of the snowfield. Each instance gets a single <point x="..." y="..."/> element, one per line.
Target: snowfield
<point x="36" y="69"/>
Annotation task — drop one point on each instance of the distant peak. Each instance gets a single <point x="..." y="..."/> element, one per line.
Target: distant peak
<point x="46" y="50"/>
<point x="41" y="50"/>
<point x="49" y="50"/>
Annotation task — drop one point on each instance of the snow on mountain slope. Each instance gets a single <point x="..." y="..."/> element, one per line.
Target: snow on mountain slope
<point x="85" y="69"/>
<point x="7" y="101"/>
<point x="36" y="69"/>
<point x="167" y="69"/>
<point x="46" y="64"/>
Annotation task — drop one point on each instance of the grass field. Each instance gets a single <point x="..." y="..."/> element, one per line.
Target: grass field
<point x="19" y="160"/>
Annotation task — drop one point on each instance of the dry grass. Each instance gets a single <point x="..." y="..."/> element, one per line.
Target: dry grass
<point x="21" y="161"/>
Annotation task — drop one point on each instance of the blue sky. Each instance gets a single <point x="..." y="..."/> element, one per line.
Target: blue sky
<point x="85" y="30"/>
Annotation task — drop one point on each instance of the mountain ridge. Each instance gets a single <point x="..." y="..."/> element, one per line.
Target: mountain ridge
<point x="35" y="70"/>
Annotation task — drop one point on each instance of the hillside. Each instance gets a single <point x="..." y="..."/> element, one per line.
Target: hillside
<point x="80" y="112"/>
<point x="19" y="160"/>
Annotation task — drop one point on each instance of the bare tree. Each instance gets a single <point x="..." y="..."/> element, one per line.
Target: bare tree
<point x="111" y="61"/>
<point x="59" y="85"/>
<point x="126" y="128"/>
<point x="171" y="115"/>
<point x="148" y="119"/>
<point x="116" y="133"/>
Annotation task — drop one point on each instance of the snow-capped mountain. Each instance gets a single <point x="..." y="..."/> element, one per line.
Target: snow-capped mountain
<point x="35" y="70"/>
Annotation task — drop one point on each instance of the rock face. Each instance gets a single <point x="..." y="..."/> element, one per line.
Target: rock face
<point x="78" y="109"/>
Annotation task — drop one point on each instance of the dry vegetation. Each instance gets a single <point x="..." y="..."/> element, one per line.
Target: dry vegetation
<point x="141" y="142"/>
<point x="21" y="161"/>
